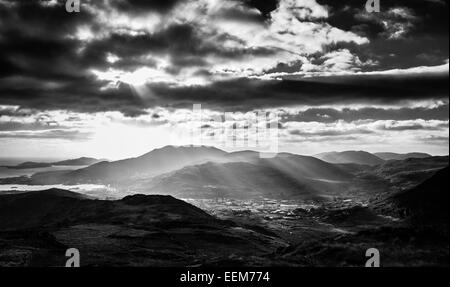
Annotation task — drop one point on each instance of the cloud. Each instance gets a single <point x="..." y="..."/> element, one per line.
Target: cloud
<point x="324" y="114"/>
<point x="248" y="94"/>
<point x="403" y="30"/>
<point x="340" y="61"/>
<point x="412" y="125"/>
<point x="396" y="22"/>
<point x="362" y="127"/>
<point x="372" y="135"/>
<point x="329" y="133"/>
<point x="46" y="134"/>
<point x="143" y="6"/>
<point x="128" y="56"/>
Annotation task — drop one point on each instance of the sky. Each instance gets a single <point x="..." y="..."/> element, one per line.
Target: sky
<point x="121" y="77"/>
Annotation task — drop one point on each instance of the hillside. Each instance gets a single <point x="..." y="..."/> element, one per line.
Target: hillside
<point x="56" y="206"/>
<point x="285" y="176"/>
<point x="156" y="162"/>
<point x="140" y="230"/>
<point x="358" y="157"/>
<point x="405" y="174"/>
<point x="400" y="156"/>
<point x="429" y="201"/>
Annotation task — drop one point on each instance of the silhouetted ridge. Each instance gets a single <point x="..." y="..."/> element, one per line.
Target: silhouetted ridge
<point x="56" y="206"/>
<point x="142" y="199"/>
<point x="138" y="230"/>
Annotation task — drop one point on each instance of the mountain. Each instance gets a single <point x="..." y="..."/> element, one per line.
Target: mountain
<point x="400" y="156"/>
<point x="413" y="223"/>
<point x="57" y="206"/>
<point x="285" y="176"/>
<point x="306" y="167"/>
<point x="429" y="201"/>
<point x="405" y="174"/>
<point x="242" y="156"/>
<point x="235" y="180"/>
<point x="358" y="157"/>
<point x="71" y="162"/>
<point x="171" y="158"/>
<point x="207" y="172"/>
<point x="78" y="161"/>
<point x="36" y="228"/>
<point x="30" y="164"/>
<point x="425" y="204"/>
<point x="156" y="162"/>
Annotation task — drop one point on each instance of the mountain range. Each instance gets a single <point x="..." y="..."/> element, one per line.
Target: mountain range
<point x="284" y="176"/>
<point x="400" y="156"/>
<point x="71" y="162"/>
<point x="156" y="162"/>
<point x="208" y="172"/>
<point x="363" y="157"/>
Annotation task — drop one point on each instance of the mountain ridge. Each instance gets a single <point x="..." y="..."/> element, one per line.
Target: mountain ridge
<point x="401" y="156"/>
<point x="70" y="162"/>
<point x="358" y="157"/>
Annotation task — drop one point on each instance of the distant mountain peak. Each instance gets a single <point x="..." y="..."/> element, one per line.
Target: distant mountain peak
<point x="350" y="156"/>
<point x="169" y="148"/>
<point x="157" y="161"/>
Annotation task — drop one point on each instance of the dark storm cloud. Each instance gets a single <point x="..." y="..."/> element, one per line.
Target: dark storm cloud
<point x="186" y="45"/>
<point x="84" y="95"/>
<point x="248" y="94"/>
<point x="242" y="94"/>
<point x="43" y="66"/>
<point x="329" y="115"/>
<point x="406" y="33"/>
<point x="180" y="38"/>
<point x="33" y="39"/>
<point x="351" y="14"/>
<point x="264" y="6"/>
<point x="143" y="6"/>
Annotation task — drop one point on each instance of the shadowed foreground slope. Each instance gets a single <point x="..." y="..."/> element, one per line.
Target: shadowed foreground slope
<point x="140" y="230"/>
<point x="426" y="204"/>
<point x="419" y="236"/>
